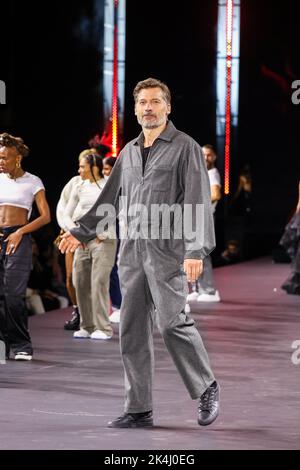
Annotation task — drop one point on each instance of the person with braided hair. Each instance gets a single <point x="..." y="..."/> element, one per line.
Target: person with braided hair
<point x="18" y="191"/>
<point x="93" y="262"/>
<point x="74" y="322"/>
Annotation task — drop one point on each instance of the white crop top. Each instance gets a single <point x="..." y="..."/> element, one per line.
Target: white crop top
<point x="19" y="192"/>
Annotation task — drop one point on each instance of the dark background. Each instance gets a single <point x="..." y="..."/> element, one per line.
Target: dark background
<point x="51" y="61"/>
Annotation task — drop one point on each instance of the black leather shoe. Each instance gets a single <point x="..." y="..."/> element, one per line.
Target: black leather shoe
<point x="133" y="420"/>
<point x="208" y="409"/>
<point x="73" y="324"/>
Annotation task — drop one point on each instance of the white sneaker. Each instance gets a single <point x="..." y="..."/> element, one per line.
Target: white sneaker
<point x="187" y="308"/>
<point x="192" y="296"/>
<point x="99" y="335"/>
<point x="23" y="356"/>
<point x="115" y="316"/>
<point x="209" y="297"/>
<point x="80" y="334"/>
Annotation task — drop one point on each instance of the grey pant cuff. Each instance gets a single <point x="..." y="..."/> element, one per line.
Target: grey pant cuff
<point x="199" y="393"/>
<point x="145" y="409"/>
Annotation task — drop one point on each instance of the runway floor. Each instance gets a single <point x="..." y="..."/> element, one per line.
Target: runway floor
<point x="65" y="396"/>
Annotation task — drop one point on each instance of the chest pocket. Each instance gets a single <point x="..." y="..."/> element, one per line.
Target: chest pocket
<point x="161" y="178"/>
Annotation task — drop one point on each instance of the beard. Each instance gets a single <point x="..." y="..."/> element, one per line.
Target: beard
<point x="152" y="124"/>
<point x="209" y="165"/>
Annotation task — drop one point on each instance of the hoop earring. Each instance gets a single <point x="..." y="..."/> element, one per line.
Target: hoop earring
<point x="18" y="165"/>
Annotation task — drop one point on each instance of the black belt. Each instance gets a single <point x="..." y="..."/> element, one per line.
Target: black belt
<point x="11" y="229"/>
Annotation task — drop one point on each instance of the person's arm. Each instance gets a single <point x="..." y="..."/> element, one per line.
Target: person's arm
<point x="197" y="201"/>
<point x="86" y="229"/>
<point x="215" y="190"/>
<point x="44" y="218"/>
<point x="215" y="184"/>
<point x="298" y="205"/>
<point x="239" y="189"/>
<point x="67" y="216"/>
<point x="63" y="200"/>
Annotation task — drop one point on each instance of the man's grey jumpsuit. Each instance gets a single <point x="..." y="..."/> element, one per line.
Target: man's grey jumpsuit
<point x="151" y="271"/>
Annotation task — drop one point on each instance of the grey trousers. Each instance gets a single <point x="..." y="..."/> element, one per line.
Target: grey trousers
<point x="154" y="287"/>
<point x="206" y="282"/>
<point x="91" y="271"/>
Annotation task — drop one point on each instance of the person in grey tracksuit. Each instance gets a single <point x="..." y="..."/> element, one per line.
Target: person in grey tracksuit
<point x="172" y="171"/>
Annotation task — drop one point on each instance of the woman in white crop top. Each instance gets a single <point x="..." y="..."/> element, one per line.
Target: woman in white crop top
<point x="18" y="191"/>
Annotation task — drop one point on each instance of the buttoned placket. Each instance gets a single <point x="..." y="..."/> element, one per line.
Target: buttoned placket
<point x="139" y="151"/>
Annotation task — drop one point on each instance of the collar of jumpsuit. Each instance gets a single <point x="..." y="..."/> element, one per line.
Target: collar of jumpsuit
<point x="167" y="135"/>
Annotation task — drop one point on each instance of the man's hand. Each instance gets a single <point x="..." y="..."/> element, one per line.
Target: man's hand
<point x="68" y="243"/>
<point x="193" y="268"/>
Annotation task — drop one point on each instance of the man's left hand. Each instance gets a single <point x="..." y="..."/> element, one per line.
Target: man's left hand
<point x="193" y="269"/>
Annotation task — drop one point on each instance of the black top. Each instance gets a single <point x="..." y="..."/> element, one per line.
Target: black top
<point x="145" y="153"/>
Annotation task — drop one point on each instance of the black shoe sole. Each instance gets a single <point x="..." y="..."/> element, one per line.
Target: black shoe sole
<point x="141" y="424"/>
<point x="71" y="327"/>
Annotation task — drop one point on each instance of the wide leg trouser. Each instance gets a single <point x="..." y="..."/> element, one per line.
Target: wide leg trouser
<point x="92" y="268"/>
<point x="14" y="275"/>
<point x="152" y="280"/>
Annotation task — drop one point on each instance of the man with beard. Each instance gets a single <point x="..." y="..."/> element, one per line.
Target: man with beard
<point x="204" y="289"/>
<point x="162" y="166"/>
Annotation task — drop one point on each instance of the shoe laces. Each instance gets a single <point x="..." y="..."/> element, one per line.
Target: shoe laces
<point x="74" y="316"/>
<point x="208" y="399"/>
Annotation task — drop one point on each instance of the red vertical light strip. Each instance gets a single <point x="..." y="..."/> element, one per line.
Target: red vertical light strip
<point x="229" y="29"/>
<point x="115" y="116"/>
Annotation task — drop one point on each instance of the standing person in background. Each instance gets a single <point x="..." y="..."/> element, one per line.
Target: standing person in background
<point x="204" y="290"/>
<point x="291" y="242"/>
<point x="241" y="208"/>
<point x="241" y="204"/>
<point x="94" y="261"/>
<point x="108" y="164"/>
<point x="74" y="322"/>
<point x="18" y="191"/>
<point x="114" y="287"/>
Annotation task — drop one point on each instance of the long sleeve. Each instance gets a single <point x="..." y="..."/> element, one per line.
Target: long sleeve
<point x="63" y="200"/>
<point x="70" y="209"/>
<point x="86" y="229"/>
<point x="199" y="234"/>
